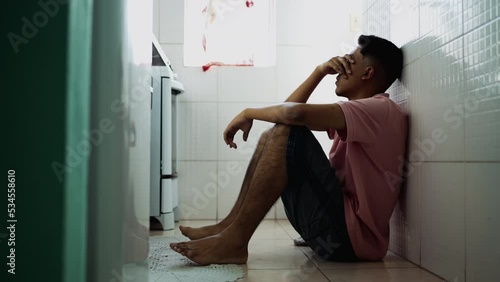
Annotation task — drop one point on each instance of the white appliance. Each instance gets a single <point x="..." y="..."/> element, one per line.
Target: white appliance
<point x="164" y="198"/>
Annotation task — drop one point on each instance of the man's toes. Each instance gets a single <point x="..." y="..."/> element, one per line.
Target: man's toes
<point x="191" y="255"/>
<point x="179" y="247"/>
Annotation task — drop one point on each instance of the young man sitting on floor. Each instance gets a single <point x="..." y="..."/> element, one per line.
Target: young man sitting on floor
<point x="341" y="206"/>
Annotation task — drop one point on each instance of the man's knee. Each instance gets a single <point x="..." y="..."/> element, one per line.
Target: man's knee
<point x="273" y="132"/>
<point x="277" y="129"/>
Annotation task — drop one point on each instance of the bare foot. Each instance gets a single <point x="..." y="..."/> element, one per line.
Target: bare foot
<point x="218" y="249"/>
<point x="202" y="232"/>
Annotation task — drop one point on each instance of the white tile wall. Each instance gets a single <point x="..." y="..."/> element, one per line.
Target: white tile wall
<point x="200" y="86"/>
<point x="294" y="64"/>
<point x="171" y="21"/>
<point x="450" y="82"/>
<point x="440" y="21"/>
<point x="441" y="78"/>
<point x="198" y="136"/>
<point x="406" y="220"/>
<point x="482" y="100"/>
<point x="231" y="175"/>
<point x="479" y="12"/>
<point x="156" y="18"/>
<point x="443" y="219"/>
<point x="280" y="210"/>
<point x="247" y="84"/>
<point x="482" y="221"/>
<point x="197" y="189"/>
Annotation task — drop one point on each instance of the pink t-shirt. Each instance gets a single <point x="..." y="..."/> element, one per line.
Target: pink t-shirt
<point x="367" y="157"/>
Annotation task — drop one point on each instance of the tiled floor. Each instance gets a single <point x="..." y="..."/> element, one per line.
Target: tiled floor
<point x="273" y="257"/>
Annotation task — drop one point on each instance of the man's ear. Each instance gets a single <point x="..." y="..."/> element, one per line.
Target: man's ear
<point x="369" y="73"/>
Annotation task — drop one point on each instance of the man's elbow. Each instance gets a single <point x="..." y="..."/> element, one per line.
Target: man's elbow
<point x="294" y="114"/>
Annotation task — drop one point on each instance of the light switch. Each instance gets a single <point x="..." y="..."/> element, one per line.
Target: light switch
<point x="355" y="22"/>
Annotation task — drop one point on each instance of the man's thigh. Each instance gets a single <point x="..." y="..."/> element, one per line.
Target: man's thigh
<point x="313" y="199"/>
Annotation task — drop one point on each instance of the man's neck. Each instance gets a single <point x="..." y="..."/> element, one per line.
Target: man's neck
<point x="363" y="94"/>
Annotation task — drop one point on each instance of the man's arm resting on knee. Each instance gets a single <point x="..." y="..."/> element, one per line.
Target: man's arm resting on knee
<point x="316" y="117"/>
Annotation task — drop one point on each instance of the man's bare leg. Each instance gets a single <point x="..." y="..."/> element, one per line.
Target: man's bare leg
<point x="202" y="232"/>
<point x="266" y="185"/>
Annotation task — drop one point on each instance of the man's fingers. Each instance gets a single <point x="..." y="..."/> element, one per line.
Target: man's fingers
<point x="228" y="138"/>
<point x="345" y="64"/>
<point x="336" y="66"/>
<point x="350" y="58"/>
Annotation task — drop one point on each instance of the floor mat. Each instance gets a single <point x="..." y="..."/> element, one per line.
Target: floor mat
<point x="167" y="265"/>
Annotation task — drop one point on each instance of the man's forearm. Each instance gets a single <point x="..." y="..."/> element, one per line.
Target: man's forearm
<point x="304" y="91"/>
<point x="286" y="113"/>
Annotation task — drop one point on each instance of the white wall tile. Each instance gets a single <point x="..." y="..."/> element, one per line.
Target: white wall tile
<point x="156" y="18"/>
<point x="171" y="21"/>
<point x="441" y="80"/>
<point x="198" y="131"/>
<point x="200" y="86"/>
<point x="294" y="64"/>
<point x="231" y="176"/>
<point x="479" y="12"/>
<point x="280" y="210"/>
<point x="367" y="4"/>
<point x="404" y="13"/>
<point x="227" y="112"/>
<point x="310" y="23"/>
<point x="405" y="222"/>
<point x="293" y="23"/>
<point x="401" y="90"/>
<point x="482" y="98"/>
<point x="376" y="20"/>
<point x="175" y="54"/>
<point x="197" y="190"/>
<point x="482" y="222"/>
<point x="247" y="84"/>
<point x="440" y="22"/>
<point x="230" y="179"/>
<point x="443" y="219"/>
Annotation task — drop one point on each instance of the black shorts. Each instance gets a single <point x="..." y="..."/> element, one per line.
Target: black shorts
<point x="313" y="198"/>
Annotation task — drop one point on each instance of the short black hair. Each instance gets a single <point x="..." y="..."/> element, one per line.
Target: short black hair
<point x="385" y="52"/>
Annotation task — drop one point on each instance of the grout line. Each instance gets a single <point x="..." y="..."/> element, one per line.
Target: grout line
<point x="465" y="134"/>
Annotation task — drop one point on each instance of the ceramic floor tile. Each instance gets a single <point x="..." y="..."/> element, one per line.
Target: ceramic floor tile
<point x="269" y="229"/>
<point x="391" y="260"/>
<point x="275" y="254"/>
<point x="290" y="231"/>
<point x="306" y="274"/>
<point x="273" y="257"/>
<point x="380" y="274"/>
